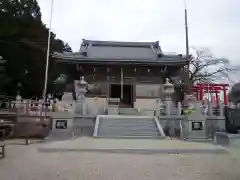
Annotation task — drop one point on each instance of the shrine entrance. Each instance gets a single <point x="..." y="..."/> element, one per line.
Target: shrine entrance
<point x="124" y="93"/>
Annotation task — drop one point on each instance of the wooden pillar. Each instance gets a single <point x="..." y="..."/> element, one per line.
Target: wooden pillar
<point x="197" y="94"/>
<point x="225" y="95"/>
<point x="201" y="92"/>
<point x="217" y="98"/>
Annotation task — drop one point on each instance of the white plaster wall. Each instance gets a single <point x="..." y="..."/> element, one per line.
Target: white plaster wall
<point x="149" y="90"/>
<point x="145" y="103"/>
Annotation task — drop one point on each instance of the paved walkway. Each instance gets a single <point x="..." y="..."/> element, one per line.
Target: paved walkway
<point x="146" y="146"/>
<point x="26" y="162"/>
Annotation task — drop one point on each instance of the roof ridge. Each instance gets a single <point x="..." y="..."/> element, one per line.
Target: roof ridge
<point x="119" y="43"/>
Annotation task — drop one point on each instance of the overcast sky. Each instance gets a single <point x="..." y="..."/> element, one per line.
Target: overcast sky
<point x="214" y="24"/>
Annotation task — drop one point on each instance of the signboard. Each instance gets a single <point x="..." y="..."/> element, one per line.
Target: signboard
<point x="197" y="126"/>
<point x="61" y="124"/>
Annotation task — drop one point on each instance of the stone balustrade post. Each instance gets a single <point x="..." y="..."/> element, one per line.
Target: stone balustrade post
<point x="210" y="108"/>
<point x="158" y="107"/>
<point x="168" y="107"/>
<point x="221" y="109"/>
<point x="179" y="108"/>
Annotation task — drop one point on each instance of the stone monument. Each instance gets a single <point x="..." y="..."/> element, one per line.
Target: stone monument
<point x="64" y="123"/>
<point x="195" y="124"/>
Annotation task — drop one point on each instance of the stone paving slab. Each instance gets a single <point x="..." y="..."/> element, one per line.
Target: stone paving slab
<point x="142" y="146"/>
<point x="27" y="163"/>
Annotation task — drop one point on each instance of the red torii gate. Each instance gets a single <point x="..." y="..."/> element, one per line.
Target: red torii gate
<point x="200" y="89"/>
<point x="200" y="94"/>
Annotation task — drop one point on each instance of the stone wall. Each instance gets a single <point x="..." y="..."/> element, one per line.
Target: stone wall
<point x="172" y="125"/>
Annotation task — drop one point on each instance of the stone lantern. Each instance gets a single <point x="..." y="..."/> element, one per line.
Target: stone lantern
<point x="18" y="100"/>
<point x="82" y="89"/>
<point x="168" y="91"/>
<point x="80" y="102"/>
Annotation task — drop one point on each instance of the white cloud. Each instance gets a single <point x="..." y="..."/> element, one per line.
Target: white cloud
<point x="212" y="23"/>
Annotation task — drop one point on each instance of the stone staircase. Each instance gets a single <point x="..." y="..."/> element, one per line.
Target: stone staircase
<point x="127" y="126"/>
<point x="128" y="111"/>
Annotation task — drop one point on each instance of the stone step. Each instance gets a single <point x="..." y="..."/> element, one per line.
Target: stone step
<point x="130" y="123"/>
<point x="128" y="111"/>
<point x="127" y="126"/>
<point x="123" y="126"/>
<point x="129" y="132"/>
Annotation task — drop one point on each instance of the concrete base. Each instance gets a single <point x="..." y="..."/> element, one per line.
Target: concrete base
<point x="144" y="146"/>
<point x="62" y="126"/>
<point x="225" y="139"/>
<point x="83" y="125"/>
<point x="112" y="110"/>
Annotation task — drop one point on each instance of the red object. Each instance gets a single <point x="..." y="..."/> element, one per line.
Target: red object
<point x="217" y="99"/>
<point x="200" y="89"/>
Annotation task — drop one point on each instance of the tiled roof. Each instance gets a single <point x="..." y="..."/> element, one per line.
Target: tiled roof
<point x="120" y="52"/>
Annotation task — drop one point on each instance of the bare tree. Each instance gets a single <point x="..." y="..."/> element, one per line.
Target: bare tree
<point x="205" y="68"/>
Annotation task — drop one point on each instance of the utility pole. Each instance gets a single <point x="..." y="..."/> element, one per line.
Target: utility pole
<point x="186" y="29"/>
<point x="48" y="52"/>
<point x="187" y="69"/>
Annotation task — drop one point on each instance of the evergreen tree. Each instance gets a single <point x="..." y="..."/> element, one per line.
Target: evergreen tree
<point x="23" y="44"/>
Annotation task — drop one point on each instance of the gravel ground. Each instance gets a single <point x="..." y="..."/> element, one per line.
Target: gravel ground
<point x="26" y="162"/>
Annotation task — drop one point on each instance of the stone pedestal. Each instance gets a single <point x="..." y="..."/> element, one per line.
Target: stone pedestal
<point x="195" y="125"/>
<point x="79" y="108"/>
<point x="113" y="104"/>
<point x="62" y="125"/>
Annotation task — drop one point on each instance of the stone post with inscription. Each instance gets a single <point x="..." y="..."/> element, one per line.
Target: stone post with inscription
<point x="221" y="109"/>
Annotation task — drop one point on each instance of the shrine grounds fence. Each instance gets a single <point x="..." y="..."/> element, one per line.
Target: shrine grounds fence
<point x="232" y="117"/>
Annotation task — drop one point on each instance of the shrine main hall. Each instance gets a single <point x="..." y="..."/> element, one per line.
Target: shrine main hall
<point x="133" y="72"/>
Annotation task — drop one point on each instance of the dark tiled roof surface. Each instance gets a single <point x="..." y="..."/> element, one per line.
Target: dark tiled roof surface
<point x="120" y="51"/>
<point x="120" y="43"/>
